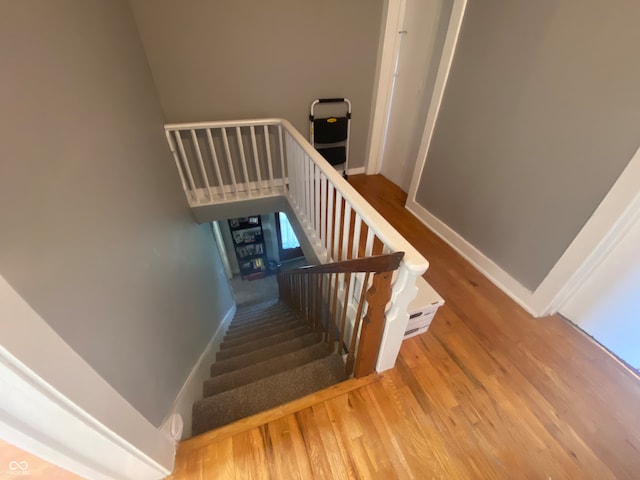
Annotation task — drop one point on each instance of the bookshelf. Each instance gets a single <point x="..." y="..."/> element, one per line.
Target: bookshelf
<point x="248" y="243"/>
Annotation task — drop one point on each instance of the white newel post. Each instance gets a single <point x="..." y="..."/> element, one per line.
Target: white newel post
<point x="403" y="292"/>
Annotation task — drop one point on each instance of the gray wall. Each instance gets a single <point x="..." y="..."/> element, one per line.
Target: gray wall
<point x="96" y="234"/>
<point x="539" y="118"/>
<point x="229" y="59"/>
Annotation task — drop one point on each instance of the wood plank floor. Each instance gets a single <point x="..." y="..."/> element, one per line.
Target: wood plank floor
<point x="16" y="463"/>
<point x="488" y="392"/>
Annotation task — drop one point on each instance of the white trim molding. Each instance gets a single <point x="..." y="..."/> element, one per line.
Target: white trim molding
<point x="389" y="49"/>
<point x="63" y="411"/>
<point x="446" y="60"/>
<point x="191" y="391"/>
<point x="484" y="264"/>
<point x="602" y="232"/>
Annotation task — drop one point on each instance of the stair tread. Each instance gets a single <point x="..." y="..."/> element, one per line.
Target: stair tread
<point x="241" y="361"/>
<point x="257" y="344"/>
<point x="247" y="313"/>
<point x="226" y="407"/>
<point x="231" y="339"/>
<point x="264" y="322"/>
<point x="257" y="306"/>
<point x="243" y="376"/>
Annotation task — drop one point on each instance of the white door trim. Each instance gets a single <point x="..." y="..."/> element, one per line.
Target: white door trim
<point x="607" y="226"/>
<point x="55" y="406"/>
<point x="444" y="68"/>
<point x="385" y="75"/>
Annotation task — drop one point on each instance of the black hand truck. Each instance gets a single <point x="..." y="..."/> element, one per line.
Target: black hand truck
<point x="330" y="135"/>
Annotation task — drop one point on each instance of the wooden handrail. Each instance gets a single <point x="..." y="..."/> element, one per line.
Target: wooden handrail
<point x="375" y="264"/>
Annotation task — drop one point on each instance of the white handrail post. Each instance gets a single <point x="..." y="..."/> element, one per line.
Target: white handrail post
<point x="403" y="292"/>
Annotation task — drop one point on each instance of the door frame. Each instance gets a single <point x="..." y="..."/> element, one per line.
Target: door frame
<point x="610" y="222"/>
<point x="286" y="257"/>
<point x="389" y="49"/>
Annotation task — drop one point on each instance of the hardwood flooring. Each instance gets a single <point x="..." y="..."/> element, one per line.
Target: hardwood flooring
<point x="15" y="463"/>
<point x="488" y="392"/>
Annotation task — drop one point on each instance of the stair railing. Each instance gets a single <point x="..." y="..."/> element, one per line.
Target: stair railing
<point x="322" y="295"/>
<point x="230" y="161"/>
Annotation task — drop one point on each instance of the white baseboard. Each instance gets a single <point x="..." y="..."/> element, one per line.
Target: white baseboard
<point x="356" y="171"/>
<point x="484" y="264"/>
<point x="191" y="391"/>
<point x="58" y="408"/>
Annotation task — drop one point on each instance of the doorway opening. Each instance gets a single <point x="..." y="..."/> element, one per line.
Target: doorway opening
<point x="288" y="244"/>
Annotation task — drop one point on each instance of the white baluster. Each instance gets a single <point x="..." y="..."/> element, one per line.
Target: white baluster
<point x="307" y="189"/>
<point x="267" y="142"/>
<point x="282" y="165"/>
<point x="336" y="227"/>
<point x="368" y="249"/>
<point x="187" y="168"/>
<point x="323" y="209"/>
<point x="254" y="146"/>
<point x="318" y="198"/>
<point x="216" y="164"/>
<point x="330" y="219"/>
<point x="346" y="230"/>
<point x="176" y="159"/>
<point x="225" y="141"/>
<point x="356" y="236"/>
<point x="243" y="161"/>
<point x="205" y="178"/>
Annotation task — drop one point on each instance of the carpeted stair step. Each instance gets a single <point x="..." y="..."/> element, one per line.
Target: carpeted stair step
<point x="254" y="345"/>
<point x="261" y="322"/>
<point x="266" y="322"/>
<point x="260" y="303"/>
<point x="238" y="339"/>
<point x="241" y="361"/>
<point x="243" y="376"/>
<point x="247" y="315"/>
<point x="224" y="408"/>
<point x="258" y="306"/>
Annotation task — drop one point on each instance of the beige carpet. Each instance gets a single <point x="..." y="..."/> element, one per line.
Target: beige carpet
<point x="268" y="357"/>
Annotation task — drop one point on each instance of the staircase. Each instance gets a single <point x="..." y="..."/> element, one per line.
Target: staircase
<point x="268" y="357"/>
